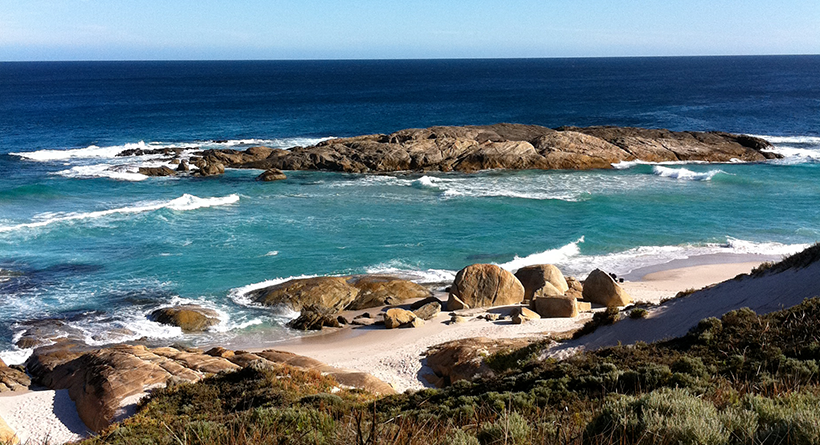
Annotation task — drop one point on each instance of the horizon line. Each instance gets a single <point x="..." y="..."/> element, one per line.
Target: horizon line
<point x="355" y="59"/>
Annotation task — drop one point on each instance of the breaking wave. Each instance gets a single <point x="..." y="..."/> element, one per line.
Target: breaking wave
<point x="183" y="203"/>
<point x="685" y="174"/>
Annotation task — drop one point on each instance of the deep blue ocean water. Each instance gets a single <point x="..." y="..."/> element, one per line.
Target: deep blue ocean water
<point x="85" y="239"/>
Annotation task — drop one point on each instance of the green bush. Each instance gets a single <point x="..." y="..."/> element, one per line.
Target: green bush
<point x="510" y="428"/>
<point x="458" y="436"/>
<point x="664" y="416"/>
<point x="638" y="312"/>
<point x="792" y="419"/>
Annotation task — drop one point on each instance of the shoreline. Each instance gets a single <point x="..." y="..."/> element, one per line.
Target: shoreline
<point x="393" y="355"/>
<point x="396" y="356"/>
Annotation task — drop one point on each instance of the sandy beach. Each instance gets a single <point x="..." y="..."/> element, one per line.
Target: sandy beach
<point x="395" y="356"/>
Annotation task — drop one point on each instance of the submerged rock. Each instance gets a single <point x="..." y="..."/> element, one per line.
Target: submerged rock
<point x="188" y="317"/>
<point x="157" y="171"/>
<point x="271" y="174"/>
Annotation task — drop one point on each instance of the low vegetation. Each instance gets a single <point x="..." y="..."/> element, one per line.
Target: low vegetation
<point x="741" y="379"/>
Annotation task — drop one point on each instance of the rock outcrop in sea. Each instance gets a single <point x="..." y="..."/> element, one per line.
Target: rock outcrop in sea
<point x="499" y="146"/>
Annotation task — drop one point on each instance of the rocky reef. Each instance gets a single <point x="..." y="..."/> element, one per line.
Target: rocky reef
<point x="499" y="146"/>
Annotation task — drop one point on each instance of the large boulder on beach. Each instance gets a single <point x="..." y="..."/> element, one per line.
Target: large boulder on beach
<point x="12" y="379"/>
<point x="188" y="317"/>
<point x="327" y="294"/>
<point x="428" y="311"/>
<point x="521" y="314"/>
<point x="314" y="319"/>
<point x="484" y="285"/>
<point x="382" y="290"/>
<point x="600" y="288"/>
<point x="544" y="277"/>
<point x="555" y="306"/>
<point x="398" y="317"/>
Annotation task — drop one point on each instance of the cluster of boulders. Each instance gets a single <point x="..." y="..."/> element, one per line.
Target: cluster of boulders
<point x="105" y="384"/>
<point x="543" y="288"/>
<point x="473" y="148"/>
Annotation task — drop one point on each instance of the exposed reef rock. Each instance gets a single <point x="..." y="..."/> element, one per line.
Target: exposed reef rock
<point x="500" y="146"/>
<point x="188" y="317"/>
<point x="271" y="174"/>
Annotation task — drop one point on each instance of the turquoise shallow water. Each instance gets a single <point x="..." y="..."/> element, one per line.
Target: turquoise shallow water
<point x="86" y="240"/>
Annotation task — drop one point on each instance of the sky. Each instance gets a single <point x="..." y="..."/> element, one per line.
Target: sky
<point x="386" y="29"/>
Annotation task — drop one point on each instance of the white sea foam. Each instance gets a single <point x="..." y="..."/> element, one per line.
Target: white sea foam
<point x="15" y="356"/>
<point x="685" y="174"/>
<point x="569" y="259"/>
<point x="552" y="256"/>
<point x="421" y="276"/>
<point x="787" y="140"/>
<point x="121" y="173"/>
<point x="111" y="152"/>
<point x="183" y="203"/>
<point x="624" y="165"/>
<point x="283" y="143"/>
<point x="548" y="186"/>
<point x="92" y="151"/>
<point x="794" y="149"/>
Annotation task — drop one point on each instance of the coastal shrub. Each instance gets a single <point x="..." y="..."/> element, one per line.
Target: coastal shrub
<point x="516" y="358"/>
<point x="663" y="416"/>
<point x="511" y="428"/>
<point x="458" y="436"/>
<point x="799" y="260"/>
<point x="792" y="419"/>
<point x="740" y="423"/>
<point x="610" y="316"/>
<point x="638" y="313"/>
<point x="205" y="431"/>
<point x="690" y="365"/>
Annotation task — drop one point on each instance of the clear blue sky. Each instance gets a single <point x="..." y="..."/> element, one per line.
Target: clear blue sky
<point x="364" y="29"/>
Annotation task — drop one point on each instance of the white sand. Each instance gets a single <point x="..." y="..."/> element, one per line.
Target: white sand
<point x="395" y="355"/>
<point x="40" y="416"/>
<point x="765" y="294"/>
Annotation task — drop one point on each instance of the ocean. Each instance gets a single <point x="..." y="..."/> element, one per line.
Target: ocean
<point x="89" y="247"/>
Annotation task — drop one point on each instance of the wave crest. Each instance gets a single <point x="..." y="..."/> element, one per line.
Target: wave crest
<point x="183" y="203"/>
<point x="685" y="174"/>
